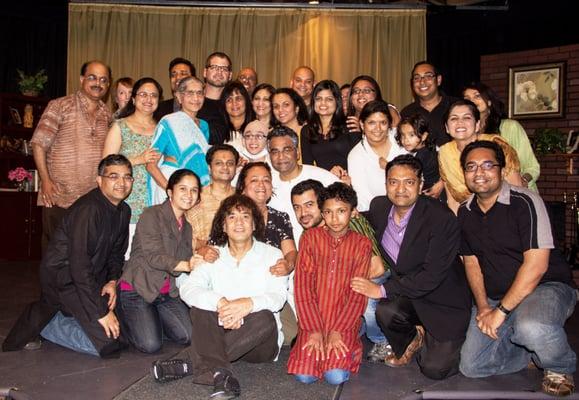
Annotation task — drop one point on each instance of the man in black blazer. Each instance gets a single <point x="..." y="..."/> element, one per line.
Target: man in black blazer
<point x="425" y="305"/>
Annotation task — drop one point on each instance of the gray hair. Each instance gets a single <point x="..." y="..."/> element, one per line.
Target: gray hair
<point x="182" y="85"/>
<point x="281" y="131"/>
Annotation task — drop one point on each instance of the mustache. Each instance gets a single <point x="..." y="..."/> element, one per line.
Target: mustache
<point x="96" y="87"/>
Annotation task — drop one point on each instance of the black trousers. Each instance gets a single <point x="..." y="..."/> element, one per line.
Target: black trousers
<point x="51" y="217"/>
<point x="213" y="347"/>
<point x="38" y="314"/>
<point x="398" y="319"/>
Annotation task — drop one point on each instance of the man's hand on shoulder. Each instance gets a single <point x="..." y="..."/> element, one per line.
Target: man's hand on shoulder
<point x="110" y="324"/>
<point x="209" y="253"/>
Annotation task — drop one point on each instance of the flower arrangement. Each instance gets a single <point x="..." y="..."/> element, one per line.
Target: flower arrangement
<point x="20" y="176"/>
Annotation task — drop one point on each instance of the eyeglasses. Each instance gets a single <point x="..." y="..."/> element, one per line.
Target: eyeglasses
<point x="367" y="90"/>
<point x="116" y="177"/>
<point x="191" y="93"/>
<point x="429" y="76"/>
<point x="285" y="151"/>
<point x="144" y="95"/>
<point x="103" y="80"/>
<point x="221" y="68"/>
<point x="485" y="166"/>
<point x="254" y="137"/>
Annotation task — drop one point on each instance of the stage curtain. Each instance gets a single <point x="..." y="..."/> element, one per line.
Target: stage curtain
<point x="338" y="44"/>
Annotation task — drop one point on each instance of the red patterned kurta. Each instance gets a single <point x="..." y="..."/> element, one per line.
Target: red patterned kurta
<point x="324" y="300"/>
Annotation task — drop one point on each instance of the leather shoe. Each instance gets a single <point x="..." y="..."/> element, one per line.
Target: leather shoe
<point x="392" y="361"/>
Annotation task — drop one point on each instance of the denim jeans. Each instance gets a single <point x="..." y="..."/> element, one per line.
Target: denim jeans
<point x="333" y="377"/>
<point x="370" y="326"/>
<point x="533" y="330"/>
<point x="67" y="332"/>
<point x="146" y="324"/>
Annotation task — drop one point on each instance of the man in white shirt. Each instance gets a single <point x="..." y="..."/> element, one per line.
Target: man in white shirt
<point x="282" y="144"/>
<point x="234" y="302"/>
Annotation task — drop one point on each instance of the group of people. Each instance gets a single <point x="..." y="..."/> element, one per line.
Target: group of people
<point x="236" y="218"/>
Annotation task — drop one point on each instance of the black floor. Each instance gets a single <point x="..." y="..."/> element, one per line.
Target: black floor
<point x="56" y="373"/>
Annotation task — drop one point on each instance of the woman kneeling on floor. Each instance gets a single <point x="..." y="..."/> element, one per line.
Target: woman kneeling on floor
<point x="149" y="306"/>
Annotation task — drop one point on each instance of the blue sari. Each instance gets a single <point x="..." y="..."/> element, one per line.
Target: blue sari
<point x="178" y="136"/>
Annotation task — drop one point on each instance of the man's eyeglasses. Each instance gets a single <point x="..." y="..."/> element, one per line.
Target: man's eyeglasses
<point x="485" y="166"/>
<point x="221" y="68"/>
<point x="285" y="151"/>
<point x="429" y="76"/>
<point x="116" y="177"/>
<point x="366" y="91"/>
<point x="144" y="95"/>
<point x="251" y="136"/>
<point x="103" y="80"/>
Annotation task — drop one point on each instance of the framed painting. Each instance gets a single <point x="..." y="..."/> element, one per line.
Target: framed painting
<point x="536" y="91"/>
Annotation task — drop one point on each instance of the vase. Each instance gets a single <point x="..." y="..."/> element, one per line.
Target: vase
<point x="30" y="93"/>
<point x="24" y="186"/>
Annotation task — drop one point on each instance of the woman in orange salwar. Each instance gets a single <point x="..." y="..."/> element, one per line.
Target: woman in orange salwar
<point x="329" y="312"/>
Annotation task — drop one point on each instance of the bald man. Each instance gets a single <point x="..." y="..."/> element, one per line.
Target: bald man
<point x="248" y="76"/>
<point x="303" y="81"/>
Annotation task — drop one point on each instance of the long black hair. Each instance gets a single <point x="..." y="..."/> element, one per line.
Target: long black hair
<point x="338" y="122"/>
<point x="228" y="91"/>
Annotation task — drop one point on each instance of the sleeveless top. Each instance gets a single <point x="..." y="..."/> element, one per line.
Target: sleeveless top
<point x="133" y="144"/>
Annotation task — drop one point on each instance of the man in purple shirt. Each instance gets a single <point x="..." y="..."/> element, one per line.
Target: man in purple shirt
<point x="424" y="307"/>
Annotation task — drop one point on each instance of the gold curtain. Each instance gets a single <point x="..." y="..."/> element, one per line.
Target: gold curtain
<point x="139" y="41"/>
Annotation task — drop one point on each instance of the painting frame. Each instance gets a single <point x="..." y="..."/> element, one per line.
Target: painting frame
<point x="15" y="115"/>
<point x="537" y="91"/>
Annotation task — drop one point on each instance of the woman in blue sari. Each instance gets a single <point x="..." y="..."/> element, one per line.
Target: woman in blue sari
<point x="182" y="139"/>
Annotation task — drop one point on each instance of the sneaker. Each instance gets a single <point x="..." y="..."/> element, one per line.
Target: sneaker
<point x="557" y="384"/>
<point x="169" y="370"/>
<point x="379" y="352"/>
<point x="33" y="344"/>
<point x="225" y="386"/>
<point x="413" y="347"/>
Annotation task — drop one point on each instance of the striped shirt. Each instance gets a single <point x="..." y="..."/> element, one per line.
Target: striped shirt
<point x="74" y="143"/>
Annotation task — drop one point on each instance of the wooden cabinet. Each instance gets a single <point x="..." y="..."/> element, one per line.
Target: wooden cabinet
<point x="21" y="229"/>
<point x="16" y="111"/>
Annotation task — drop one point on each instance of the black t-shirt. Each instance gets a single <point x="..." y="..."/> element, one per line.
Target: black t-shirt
<point x="517" y="222"/>
<point x="211" y="113"/>
<point x="429" y="159"/>
<point x="435" y="118"/>
<point x="328" y="152"/>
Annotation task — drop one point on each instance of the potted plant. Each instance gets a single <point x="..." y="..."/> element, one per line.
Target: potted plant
<point x="32" y="85"/>
<point x="548" y="141"/>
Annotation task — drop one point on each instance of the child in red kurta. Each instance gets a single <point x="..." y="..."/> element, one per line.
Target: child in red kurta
<point x="329" y="312"/>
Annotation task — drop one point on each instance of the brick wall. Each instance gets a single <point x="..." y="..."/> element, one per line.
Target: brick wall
<point x="559" y="173"/>
<point x="559" y="184"/>
<point x="494" y="71"/>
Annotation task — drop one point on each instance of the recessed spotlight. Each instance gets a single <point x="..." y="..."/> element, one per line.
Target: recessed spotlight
<point x="313" y="2"/>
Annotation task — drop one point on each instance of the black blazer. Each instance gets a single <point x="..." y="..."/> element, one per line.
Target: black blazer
<point x="428" y="270"/>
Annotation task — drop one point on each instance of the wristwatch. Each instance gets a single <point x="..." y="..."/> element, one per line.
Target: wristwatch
<point x="503" y="309"/>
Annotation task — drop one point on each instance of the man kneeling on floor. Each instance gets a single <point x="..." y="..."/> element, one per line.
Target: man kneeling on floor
<point x="522" y="286"/>
<point x="78" y="274"/>
<point x="235" y="303"/>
